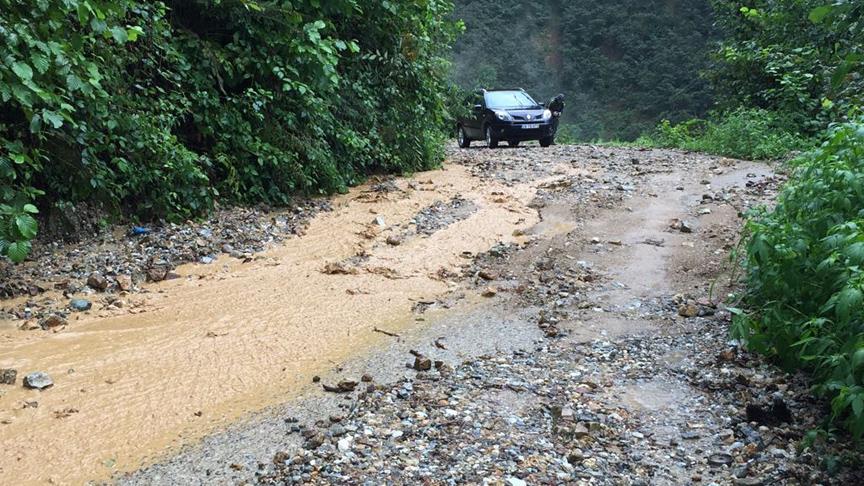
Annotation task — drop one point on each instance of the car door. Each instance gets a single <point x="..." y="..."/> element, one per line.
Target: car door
<point x="474" y="123"/>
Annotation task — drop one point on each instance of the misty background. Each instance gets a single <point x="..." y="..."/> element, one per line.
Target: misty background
<point x="624" y="65"/>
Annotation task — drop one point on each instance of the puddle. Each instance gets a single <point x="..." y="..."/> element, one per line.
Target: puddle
<point x="742" y="173"/>
<point x="605" y="327"/>
<point x="652" y="396"/>
<point x="233" y="338"/>
<point x="556" y="220"/>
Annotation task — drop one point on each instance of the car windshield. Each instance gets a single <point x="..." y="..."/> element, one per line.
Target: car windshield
<point x="509" y="99"/>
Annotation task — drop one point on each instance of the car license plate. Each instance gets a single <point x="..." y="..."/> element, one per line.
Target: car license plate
<point x="531" y="125"/>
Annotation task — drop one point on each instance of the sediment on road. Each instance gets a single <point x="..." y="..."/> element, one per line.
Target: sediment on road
<point x="522" y="315"/>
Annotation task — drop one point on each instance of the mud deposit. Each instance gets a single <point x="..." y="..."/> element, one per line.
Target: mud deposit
<point x="562" y="306"/>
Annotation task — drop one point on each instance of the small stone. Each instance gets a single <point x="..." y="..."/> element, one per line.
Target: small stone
<point x="685" y="227"/>
<point x="80" y="305"/>
<point x="38" y="380"/>
<point x="124" y="282"/>
<point x="52" y="321"/>
<point x="720" y="459"/>
<point x="97" y="281"/>
<point x="487" y="275"/>
<point x="366" y="378"/>
<point x="8" y="376"/>
<point x="344" y="445"/>
<point x="157" y="274"/>
<point x="580" y="431"/>
<point x="379" y="220"/>
<point x="316" y="379"/>
<point x="511" y="481"/>
<point x="575" y="456"/>
<point x="342" y="387"/>
<point x="688" y="310"/>
<point x="281" y="458"/>
<point x="489" y="292"/>
<point x="314" y="441"/>
<point x="394" y="240"/>
<point x="422" y="363"/>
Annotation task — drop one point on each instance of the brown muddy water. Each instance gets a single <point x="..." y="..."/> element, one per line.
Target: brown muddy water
<point x="229" y="339"/>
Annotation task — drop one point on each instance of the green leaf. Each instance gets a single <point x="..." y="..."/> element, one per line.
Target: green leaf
<point x="132" y="33"/>
<point x="23" y="70"/>
<point x="858" y="359"/>
<point x="18" y="251"/>
<point x="818" y="14"/>
<point x="41" y="63"/>
<point x="53" y="118"/>
<point x="27" y="226"/>
<point x="848" y="300"/>
<point x="29" y="208"/>
<point x="119" y="34"/>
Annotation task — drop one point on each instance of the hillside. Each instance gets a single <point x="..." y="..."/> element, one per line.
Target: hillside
<point x="623" y="65"/>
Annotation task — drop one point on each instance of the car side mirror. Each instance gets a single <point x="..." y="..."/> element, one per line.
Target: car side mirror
<point x="478" y="107"/>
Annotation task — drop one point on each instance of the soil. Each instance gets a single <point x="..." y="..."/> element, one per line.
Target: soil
<point x="522" y="316"/>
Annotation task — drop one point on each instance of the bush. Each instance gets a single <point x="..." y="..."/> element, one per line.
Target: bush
<point x="805" y="270"/>
<point x="153" y="109"/>
<point x="744" y="133"/>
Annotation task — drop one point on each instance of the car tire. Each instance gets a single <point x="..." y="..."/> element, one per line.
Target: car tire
<point x="513" y="143"/>
<point x="462" y="137"/>
<point x="491" y="141"/>
<point x="545" y="142"/>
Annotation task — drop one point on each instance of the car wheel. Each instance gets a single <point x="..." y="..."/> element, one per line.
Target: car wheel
<point x="513" y="143"/>
<point x="545" y="142"/>
<point x="464" y="141"/>
<point x="491" y="141"/>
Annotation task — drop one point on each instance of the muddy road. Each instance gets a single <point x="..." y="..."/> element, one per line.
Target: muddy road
<point x="520" y="315"/>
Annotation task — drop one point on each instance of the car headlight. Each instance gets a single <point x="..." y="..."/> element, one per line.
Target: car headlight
<point x="503" y="115"/>
<point x="547" y="114"/>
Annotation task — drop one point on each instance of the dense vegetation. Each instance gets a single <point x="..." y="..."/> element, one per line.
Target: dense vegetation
<point x="785" y="71"/>
<point x="623" y="65"/>
<point x="153" y="109"/>
<point x="806" y="273"/>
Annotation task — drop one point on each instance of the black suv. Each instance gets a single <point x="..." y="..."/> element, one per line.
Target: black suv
<point x="511" y="115"/>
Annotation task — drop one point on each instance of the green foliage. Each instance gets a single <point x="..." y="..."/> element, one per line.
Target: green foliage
<point x="805" y="270"/>
<point x="153" y="109"/>
<point x="624" y="65"/>
<point x="800" y="58"/>
<point x="743" y="133"/>
<point x="18" y="228"/>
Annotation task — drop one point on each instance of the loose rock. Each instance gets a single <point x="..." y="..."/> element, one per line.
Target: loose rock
<point x="52" y="321"/>
<point x="38" y="380"/>
<point x="80" y="305"/>
<point x="8" y="376"/>
<point x="97" y="281"/>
